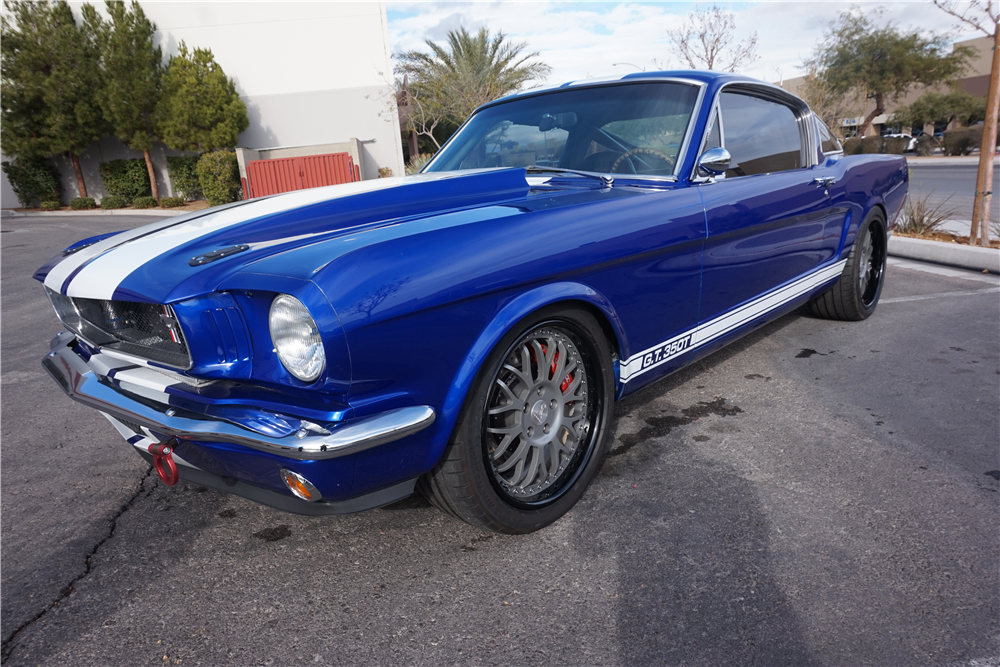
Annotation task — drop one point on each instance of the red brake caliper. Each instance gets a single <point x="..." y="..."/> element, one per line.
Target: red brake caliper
<point x="552" y="369"/>
<point x="164" y="463"/>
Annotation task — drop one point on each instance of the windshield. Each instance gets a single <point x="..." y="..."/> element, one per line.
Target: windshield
<point x="635" y="128"/>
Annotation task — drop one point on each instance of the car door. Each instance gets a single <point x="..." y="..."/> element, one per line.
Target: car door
<point x="770" y="219"/>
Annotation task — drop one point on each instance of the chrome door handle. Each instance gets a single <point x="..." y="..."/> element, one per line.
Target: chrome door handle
<point x="824" y="181"/>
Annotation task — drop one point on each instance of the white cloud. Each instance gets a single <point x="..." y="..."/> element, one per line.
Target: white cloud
<point x="583" y="39"/>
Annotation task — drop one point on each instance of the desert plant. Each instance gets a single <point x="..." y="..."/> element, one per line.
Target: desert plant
<point x="50" y="206"/>
<point x="114" y="201"/>
<point x="32" y="179"/>
<point x="125" y="178"/>
<point x="171" y="202"/>
<point x="921" y="217"/>
<point x="183" y="170"/>
<point x="417" y="163"/>
<point x="384" y="172"/>
<point x="144" y="202"/>
<point x="219" y="174"/>
<point x="82" y="203"/>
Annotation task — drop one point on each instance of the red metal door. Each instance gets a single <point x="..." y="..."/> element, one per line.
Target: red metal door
<point x="269" y="177"/>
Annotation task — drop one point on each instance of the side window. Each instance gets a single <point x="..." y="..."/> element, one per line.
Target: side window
<point x="762" y="136"/>
<point x="827" y="142"/>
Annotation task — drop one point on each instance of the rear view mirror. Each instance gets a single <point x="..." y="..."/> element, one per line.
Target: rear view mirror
<point x="562" y="121"/>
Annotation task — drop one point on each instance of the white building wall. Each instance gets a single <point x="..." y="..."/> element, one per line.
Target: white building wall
<point x="309" y="73"/>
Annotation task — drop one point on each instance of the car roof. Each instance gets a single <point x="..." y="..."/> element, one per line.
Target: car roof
<point x="695" y="76"/>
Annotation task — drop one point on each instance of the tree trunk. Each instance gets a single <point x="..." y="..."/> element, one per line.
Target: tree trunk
<point x="152" y="176"/>
<point x="80" y="185"/>
<point x="879" y="108"/>
<point x="981" y="213"/>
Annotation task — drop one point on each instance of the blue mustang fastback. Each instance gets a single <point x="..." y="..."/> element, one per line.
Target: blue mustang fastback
<point x="468" y="330"/>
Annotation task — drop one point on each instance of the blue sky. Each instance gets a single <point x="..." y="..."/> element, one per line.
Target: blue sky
<point x="586" y="39"/>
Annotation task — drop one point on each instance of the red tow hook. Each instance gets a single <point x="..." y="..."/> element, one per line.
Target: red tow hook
<point x="164" y="462"/>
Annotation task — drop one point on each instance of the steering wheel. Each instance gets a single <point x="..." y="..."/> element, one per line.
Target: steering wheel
<point x="641" y="151"/>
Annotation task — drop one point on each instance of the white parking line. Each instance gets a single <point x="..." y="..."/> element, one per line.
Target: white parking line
<point x="964" y="274"/>
<point x="941" y="295"/>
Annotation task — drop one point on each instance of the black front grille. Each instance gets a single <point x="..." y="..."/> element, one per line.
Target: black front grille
<point x="147" y="330"/>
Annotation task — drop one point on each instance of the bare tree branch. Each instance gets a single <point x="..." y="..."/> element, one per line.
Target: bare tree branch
<point x="966" y="12"/>
<point x="707" y="41"/>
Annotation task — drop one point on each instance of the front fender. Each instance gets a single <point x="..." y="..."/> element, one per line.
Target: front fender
<point x="507" y="318"/>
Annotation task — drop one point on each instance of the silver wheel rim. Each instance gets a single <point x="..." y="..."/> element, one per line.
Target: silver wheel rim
<point x="537" y="415"/>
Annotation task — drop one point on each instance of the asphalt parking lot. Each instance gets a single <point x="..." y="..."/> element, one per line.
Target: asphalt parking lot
<point x="817" y="493"/>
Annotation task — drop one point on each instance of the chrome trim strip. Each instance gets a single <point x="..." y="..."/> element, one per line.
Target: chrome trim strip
<point x="82" y="384"/>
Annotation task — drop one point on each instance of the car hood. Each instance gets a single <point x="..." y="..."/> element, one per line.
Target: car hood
<point x="171" y="260"/>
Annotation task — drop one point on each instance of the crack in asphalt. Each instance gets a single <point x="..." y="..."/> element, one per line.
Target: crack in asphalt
<point x="8" y="645"/>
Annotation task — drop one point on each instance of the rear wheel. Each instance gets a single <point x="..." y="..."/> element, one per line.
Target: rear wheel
<point x="533" y="431"/>
<point x="856" y="294"/>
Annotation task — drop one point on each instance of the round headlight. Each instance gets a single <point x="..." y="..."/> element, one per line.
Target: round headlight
<point x="296" y="338"/>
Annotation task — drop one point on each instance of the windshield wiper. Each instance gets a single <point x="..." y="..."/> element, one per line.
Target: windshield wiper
<point x="606" y="179"/>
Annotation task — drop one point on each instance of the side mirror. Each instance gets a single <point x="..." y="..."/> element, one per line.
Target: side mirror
<point x="714" y="161"/>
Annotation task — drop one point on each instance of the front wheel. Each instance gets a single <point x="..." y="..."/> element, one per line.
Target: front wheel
<point x="855" y="295"/>
<point x="533" y="431"/>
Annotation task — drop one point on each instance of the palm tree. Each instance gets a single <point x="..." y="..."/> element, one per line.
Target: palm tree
<point x="451" y="81"/>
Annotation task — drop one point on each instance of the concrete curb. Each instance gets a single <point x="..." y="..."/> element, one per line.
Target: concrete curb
<point x="952" y="254"/>
<point x="933" y="161"/>
<point x="161" y="213"/>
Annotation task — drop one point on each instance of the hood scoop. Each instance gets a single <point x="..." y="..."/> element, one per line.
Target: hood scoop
<point x="210" y="257"/>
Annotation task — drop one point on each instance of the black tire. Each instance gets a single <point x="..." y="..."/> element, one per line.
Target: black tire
<point x="855" y="295"/>
<point x="531" y="436"/>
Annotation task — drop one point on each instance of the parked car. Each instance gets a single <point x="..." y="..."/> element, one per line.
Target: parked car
<point x="911" y="144"/>
<point x="468" y="330"/>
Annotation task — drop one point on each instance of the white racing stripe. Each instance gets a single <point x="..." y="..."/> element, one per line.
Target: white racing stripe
<point x="101" y="277"/>
<point x="61" y="271"/>
<point x="663" y="352"/>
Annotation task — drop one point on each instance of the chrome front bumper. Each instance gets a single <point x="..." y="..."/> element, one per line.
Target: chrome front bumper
<point x="81" y="382"/>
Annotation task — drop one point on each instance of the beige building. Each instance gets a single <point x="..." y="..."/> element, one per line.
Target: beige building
<point x="975" y="82"/>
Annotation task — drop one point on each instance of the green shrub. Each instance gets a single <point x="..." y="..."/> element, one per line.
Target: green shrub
<point x="852" y="146"/>
<point x="114" y="201"/>
<point x="958" y="141"/>
<point x="126" y="178"/>
<point x="33" y="180"/>
<point x="872" y="145"/>
<point x="145" y="202"/>
<point x="927" y="144"/>
<point x="895" y="145"/>
<point x="219" y="175"/>
<point x="183" y="170"/>
<point x="170" y="202"/>
<point x="417" y="163"/>
<point x="82" y="203"/>
<point x="51" y="206"/>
